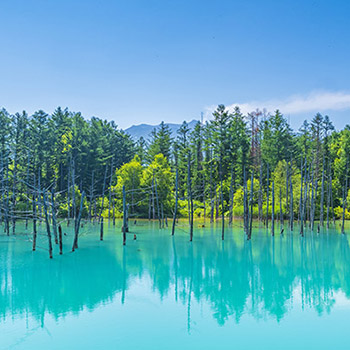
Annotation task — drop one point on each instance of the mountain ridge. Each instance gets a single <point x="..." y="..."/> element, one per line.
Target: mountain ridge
<point x="144" y="130"/>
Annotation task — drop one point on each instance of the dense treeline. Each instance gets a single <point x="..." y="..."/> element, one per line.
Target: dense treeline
<point x="54" y="154"/>
<point x="252" y="166"/>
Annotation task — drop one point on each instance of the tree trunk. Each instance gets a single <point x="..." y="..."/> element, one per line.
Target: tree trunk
<point x="34" y="223"/>
<point x="231" y="197"/>
<point x="281" y="211"/>
<point x="260" y="194"/>
<point x="345" y="192"/>
<point x="190" y="195"/>
<point x="91" y="195"/>
<point x="101" y="230"/>
<point x="54" y="216"/>
<point x="176" y="201"/>
<point x="312" y="202"/>
<point x="124" y="216"/>
<point x="273" y="209"/>
<point x="291" y="210"/>
<point x="287" y="195"/>
<point x="103" y="193"/>
<point x="222" y="204"/>
<point x="267" y="197"/>
<point x="251" y="205"/>
<point x="110" y="190"/>
<point x="77" y="223"/>
<point x="322" y="195"/>
<point x="47" y="224"/>
<point x="157" y="200"/>
<point x="60" y="239"/>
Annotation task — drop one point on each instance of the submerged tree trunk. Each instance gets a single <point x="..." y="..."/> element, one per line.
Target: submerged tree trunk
<point x="222" y="204"/>
<point x="91" y="195"/>
<point x="54" y="216"/>
<point x="13" y="211"/>
<point x="124" y="216"/>
<point x="245" y="218"/>
<point x="332" y="203"/>
<point x="34" y="223"/>
<point x="328" y="193"/>
<point x="73" y="191"/>
<point x="27" y="189"/>
<point x="162" y="213"/>
<point x="189" y="186"/>
<point x="291" y="210"/>
<point x="322" y="195"/>
<point x="176" y="201"/>
<point x="345" y="192"/>
<point x="231" y="197"/>
<point x="301" y="192"/>
<point x="260" y="200"/>
<point x="101" y="230"/>
<point x="77" y="223"/>
<point x="68" y="195"/>
<point x="267" y="197"/>
<point x="60" y="239"/>
<point x="47" y="224"/>
<point x="312" y="201"/>
<point x="110" y="190"/>
<point x="287" y="194"/>
<point x="153" y="204"/>
<point x="281" y="211"/>
<point x="273" y="209"/>
<point x="157" y="200"/>
<point x="211" y="194"/>
<point x="103" y="193"/>
<point x="251" y="206"/>
<point x="113" y="199"/>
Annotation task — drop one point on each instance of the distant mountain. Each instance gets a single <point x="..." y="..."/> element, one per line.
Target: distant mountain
<point x="144" y="130"/>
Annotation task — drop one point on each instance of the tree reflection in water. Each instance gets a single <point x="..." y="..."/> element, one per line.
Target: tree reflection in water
<point x="264" y="277"/>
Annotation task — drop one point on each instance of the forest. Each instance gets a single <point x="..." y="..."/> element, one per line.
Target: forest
<point x="63" y="166"/>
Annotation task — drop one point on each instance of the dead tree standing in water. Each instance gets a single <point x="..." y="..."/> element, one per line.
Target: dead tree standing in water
<point x="103" y="193"/>
<point x="267" y="197"/>
<point x="101" y="230"/>
<point x="176" y="201"/>
<point x="222" y="204"/>
<point x="60" y="239"/>
<point x="260" y="200"/>
<point x="34" y="222"/>
<point x="345" y="192"/>
<point x="251" y="206"/>
<point x="291" y="210"/>
<point x="54" y="222"/>
<point x="77" y="223"/>
<point x="110" y="189"/>
<point x="189" y="182"/>
<point x="91" y="195"/>
<point x="157" y="200"/>
<point x="273" y="209"/>
<point x="322" y="195"/>
<point x="124" y="216"/>
<point x="47" y="224"/>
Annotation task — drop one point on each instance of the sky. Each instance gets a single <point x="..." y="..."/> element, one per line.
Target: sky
<point x="147" y="61"/>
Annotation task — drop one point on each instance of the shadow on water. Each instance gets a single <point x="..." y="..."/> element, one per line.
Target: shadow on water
<point x="264" y="277"/>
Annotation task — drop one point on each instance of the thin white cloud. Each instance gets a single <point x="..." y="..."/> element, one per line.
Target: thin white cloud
<point x="296" y="104"/>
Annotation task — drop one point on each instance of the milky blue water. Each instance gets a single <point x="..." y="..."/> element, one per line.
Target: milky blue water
<point x="163" y="292"/>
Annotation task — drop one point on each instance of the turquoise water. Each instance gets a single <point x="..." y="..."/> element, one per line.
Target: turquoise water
<point x="163" y="292"/>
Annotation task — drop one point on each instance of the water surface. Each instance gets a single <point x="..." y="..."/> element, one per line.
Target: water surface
<point x="163" y="292"/>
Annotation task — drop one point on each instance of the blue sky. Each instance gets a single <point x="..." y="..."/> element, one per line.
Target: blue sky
<point x="147" y="61"/>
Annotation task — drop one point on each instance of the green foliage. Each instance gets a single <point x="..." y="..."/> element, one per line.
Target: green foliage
<point x="160" y="142"/>
<point x="52" y="151"/>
